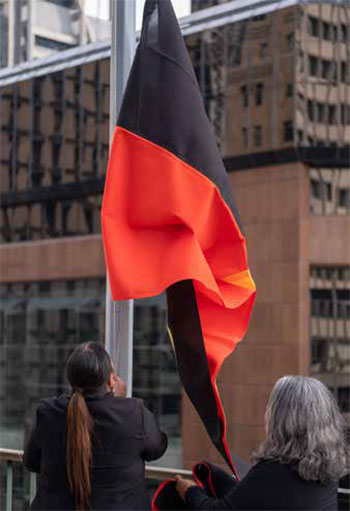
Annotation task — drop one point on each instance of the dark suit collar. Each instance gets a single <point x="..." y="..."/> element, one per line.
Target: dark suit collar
<point x="99" y="393"/>
<point x="91" y="396"/>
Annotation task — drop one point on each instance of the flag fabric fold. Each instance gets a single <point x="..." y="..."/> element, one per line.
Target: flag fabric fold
<point x="169" y="221"/>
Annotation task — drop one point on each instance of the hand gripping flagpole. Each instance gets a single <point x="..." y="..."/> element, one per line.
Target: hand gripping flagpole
<point x="119" y="315"/>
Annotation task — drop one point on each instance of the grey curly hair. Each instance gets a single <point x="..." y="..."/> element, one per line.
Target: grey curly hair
<point x="305" y="428"/>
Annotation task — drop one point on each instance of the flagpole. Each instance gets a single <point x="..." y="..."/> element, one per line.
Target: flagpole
<point x="119" y="315"/>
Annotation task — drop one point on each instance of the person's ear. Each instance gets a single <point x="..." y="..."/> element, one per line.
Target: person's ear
<point x="111" y="380"/>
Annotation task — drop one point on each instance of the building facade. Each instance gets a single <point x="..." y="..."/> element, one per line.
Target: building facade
<point x="276" y="88"/>
<point x="32" y="29"/>
<point x="279" y="99"/>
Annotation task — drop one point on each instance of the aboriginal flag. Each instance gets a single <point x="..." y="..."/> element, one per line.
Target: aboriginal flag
<point x="168" y="218"/>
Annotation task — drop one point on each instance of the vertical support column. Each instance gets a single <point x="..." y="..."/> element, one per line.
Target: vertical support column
<point x="30" y="26"/>
<point x="11" y="34"/>
<point x="9" y="484"/>
<point x="119" y="315"/>
<point x="32" y="486"/>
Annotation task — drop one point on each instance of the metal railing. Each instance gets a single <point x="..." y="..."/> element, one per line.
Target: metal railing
<point x="11" y="456"/>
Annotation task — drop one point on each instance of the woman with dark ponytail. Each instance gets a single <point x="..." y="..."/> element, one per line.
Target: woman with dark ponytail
<point x="90" y="447"/>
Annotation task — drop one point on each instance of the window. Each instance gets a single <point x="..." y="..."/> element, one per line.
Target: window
<point x="321" y="190"/>
<point x="332" y="195"/>
<point x="313" y="65"/>
<point x="331" y="114"/>
<point x="344" y="197"/>
<point x="345" y="114"/>
<point x="334" y="33"/>
<point x="237" y="55"/>
<point x="289" y="90"/>
<point x="290" y="41"/>
<point x="343" y="395"/>
<point x="315" y="188"/>
<point x="53" y="152"/>
<point x="259" y="93"/>
<point x="244" y="137"/>
<point x="257" y="136"/>
<point x="329" y="335"/>
<point x="326" y="31"/>
<point x="244" y="96"/>
<point x="51" y="318"/>
<point x="325" y="68"/>
<point x="288" y="131"/>
<point x="319" y="348"/>
<point x="263" y="50"/>
<point x="344" y="33"/>
<point x="334" y="72"/>
<point x="320" y="112"/>
<point x="314" y="27"/>
<point x="310" y="110"/>
<point x="52" y="331"/>
<point x="344" y="72"/>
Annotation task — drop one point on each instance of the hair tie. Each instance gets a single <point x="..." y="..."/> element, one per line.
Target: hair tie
<point x="79" y="390"/>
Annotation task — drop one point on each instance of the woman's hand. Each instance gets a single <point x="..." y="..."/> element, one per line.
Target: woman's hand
<point x="182" y="485"/>
<point x="117" y="385"/>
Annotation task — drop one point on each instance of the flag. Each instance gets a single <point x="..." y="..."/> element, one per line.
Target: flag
<point x="168" y="218"/>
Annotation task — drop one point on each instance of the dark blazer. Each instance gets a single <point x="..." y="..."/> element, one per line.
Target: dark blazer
<point x="125" y="435"/>
<point x="269" y="486"/>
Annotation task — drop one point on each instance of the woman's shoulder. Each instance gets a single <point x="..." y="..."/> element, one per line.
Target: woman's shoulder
<point x="275" y="467"/>
<point x="273" y="471"/>
<point x="277" y="470"/>
<point x="53" y="403"/>
<point x="125" y="413"/>
<point x="110" y="399"/>
<point x="116" y="404"/>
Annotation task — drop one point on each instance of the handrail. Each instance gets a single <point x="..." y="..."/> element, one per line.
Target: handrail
<point x="162" y="473"/>
<point x="11" y="455"/>
<point x="344" y="491"/>
<point x="152" y="471"/>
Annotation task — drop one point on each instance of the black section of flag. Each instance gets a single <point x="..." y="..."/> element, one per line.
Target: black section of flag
<point x="163" y="102"/>
<point x="185" y="327"/>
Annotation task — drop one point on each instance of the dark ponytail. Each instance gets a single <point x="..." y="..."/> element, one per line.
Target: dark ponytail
<point x="79" y="429"/>
<point x="88" y="369"/>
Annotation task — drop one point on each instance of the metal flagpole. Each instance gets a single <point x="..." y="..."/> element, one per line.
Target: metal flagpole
<point x="119" y="315"/>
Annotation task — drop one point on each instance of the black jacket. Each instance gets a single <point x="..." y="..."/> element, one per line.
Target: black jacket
<point x="269" y="486"/>
<point x="125" y="435"/>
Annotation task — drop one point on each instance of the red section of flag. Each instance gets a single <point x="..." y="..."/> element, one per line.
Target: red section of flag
<point x="163" y="222"/>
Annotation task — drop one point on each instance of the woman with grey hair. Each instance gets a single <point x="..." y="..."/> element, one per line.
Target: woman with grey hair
<point x="299" y="464"/>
